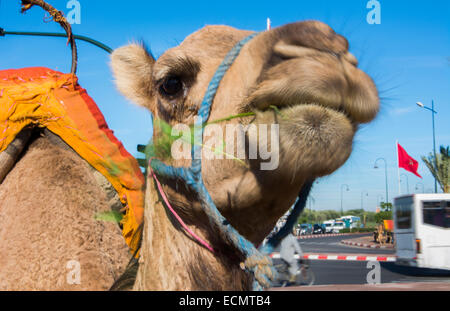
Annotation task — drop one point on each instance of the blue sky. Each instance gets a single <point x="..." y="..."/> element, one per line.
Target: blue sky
<point x="407" y="55"/>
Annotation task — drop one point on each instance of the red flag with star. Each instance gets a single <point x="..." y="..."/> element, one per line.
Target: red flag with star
<point x="406" y="161"/>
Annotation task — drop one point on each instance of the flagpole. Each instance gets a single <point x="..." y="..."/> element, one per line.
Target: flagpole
<point x="398" y="169"/>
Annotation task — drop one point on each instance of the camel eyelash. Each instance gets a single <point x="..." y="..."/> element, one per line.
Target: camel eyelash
<point x="185" y="68"/>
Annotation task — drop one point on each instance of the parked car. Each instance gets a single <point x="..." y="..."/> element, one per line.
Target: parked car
<point x="318" y="229"/>
<point x="306" y="229"/>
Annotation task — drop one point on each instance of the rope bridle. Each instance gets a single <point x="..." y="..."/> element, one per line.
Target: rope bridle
<point x="257" y="262"/>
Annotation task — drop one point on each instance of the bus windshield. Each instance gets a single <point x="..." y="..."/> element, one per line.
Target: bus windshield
<point x="403" y="214"/>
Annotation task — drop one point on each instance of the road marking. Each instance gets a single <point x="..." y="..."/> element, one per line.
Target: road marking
<point x="341" y="257"/>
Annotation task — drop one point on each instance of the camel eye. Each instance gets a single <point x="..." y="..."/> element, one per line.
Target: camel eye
<point x="171" y="86"/>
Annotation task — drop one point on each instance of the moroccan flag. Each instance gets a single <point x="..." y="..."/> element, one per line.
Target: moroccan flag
<point x="406" y="162"/>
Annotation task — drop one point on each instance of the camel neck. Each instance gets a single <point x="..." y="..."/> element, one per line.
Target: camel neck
<point x="171" y="260"/>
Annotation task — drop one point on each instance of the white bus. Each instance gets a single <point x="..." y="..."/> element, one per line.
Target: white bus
<point x="422" y="230"/>
<point x="354" y="221"/>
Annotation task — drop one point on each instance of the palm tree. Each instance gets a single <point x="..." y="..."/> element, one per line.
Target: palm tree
<point x="440" y="167"/>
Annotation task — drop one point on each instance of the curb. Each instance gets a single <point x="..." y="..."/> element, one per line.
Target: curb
<point x="383" y="258"/>
<point x="365" y="245"/>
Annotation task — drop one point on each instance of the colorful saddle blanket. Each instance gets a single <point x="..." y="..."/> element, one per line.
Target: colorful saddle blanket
<point x="49" y="99"/>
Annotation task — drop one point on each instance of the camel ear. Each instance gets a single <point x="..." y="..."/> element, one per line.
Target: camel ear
<point x="132" y="66"/>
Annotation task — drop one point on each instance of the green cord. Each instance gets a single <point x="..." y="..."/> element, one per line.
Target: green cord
<point x="54" y="34"/>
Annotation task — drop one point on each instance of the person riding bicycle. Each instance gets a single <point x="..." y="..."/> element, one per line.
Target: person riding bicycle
<point x="289" y="246"/>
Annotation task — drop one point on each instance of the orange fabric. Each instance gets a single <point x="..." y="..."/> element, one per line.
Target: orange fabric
<point x="388" y="225"/>
<point x="46" y="98"/>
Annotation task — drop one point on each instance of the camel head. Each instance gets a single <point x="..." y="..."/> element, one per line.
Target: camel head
<point x="300" y="77"/>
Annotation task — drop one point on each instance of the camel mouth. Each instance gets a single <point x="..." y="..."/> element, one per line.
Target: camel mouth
<point x="282" y="109"/>
<point x="314" y="139"/>
<point x="287" y="111"/>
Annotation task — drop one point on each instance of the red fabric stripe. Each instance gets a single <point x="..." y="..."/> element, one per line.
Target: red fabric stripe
<point x="382" y="258"/>
<point x="361" y="258"/>
<point x="323" y="257"/>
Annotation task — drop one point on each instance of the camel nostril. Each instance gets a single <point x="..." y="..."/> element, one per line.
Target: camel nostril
<point x="292" y="51"/>
<point x="288" y="51"/>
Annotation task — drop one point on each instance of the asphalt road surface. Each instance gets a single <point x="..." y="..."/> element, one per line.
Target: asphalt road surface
<point x="329" y="272"/>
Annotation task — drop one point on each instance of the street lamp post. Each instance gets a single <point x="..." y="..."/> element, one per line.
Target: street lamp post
<point x="342" y="207"/>
<point x="362" y="193"/>
<point x="433" y="112"/>
<point x="385" y="175"/>
<point x="407" y="182"/>
<point x="379" y="201"/>
<point x="311" y="203"/>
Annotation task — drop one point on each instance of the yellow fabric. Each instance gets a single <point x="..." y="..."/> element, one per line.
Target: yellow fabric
<point x="45" y="98"/>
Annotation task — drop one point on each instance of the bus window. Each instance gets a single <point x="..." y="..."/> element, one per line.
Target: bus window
<point x="403" y="213"/>
<point x="436" y="213"/>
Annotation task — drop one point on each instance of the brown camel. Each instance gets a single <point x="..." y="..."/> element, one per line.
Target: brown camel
<point x="305" y="71"/>
<point x="47" y="222"/>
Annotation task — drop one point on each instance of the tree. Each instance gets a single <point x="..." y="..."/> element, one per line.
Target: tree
<point x="440" y="167"/>
<point x="386" y="207"/>
<point x="385" y="213"/>
<point x="355" y="212"/>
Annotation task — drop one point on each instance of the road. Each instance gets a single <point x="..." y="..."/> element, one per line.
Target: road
<point x="329" y="272"/>
<point x="332" y="245"/>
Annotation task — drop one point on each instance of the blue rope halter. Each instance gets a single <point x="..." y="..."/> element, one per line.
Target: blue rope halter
<point x="256" y="261"/>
